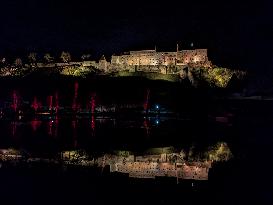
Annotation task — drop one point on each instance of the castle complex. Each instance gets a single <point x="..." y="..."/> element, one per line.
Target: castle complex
<point x="151" y="60"/>
<point x="144" y="60"/>
<point x="152" y="57"/>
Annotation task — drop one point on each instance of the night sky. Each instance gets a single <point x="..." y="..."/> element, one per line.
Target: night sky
<point x="237" y="33"/>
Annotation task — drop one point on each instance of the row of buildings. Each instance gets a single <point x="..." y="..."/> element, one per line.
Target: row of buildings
<point x="149" y="166"/>
<point x="144" y="60"/>
<point x="152" y="57"/>
<point x="146" y="166"/>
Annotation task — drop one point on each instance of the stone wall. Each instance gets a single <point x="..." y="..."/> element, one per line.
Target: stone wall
<point x="145" y="60"/>
<point x="154" y="169"/>
<point x="197" y="56"/>
<point x="153" y="58"/>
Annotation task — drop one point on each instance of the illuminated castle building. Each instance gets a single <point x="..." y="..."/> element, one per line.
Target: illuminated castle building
<point x="143" y="60"/>
<point x="195" y="57"/>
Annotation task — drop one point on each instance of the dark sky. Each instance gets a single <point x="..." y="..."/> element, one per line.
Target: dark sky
<point x="237" y="33"/>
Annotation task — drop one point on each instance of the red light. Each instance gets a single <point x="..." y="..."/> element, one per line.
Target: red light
<point x="35" y="104"/>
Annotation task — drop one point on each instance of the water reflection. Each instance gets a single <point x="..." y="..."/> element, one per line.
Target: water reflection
<point x="56" y="103"/>
<point x="35" y="124"/>
<point x="93" y="124"/>
<point x="55" y="123"/>
<point x="13" y="128"/>
<point x="131" y="130"/>
<point x="75" y="105"/>
<point x="74" y="131"/>
<point x="92" y="141"/>
<point x="35" y="105"/>
<point x="146" y="125"/>
<point x="50" y="124"/>
<point x="50" y="102"/>
<point x="155" y="162"/>
<point x="15" y="100"/>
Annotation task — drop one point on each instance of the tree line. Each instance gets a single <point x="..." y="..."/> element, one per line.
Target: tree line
<point x="47" y="58"/>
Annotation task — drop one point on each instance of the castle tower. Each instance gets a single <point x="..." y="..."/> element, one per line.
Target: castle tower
<point x="103" y="63"/>
<point x="177" y="49"/>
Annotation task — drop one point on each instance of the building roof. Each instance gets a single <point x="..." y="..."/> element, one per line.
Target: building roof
<point x="143" y="51"/>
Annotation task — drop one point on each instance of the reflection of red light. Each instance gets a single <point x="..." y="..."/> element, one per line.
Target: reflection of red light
<point x="145" y="106"/>
<point x="50" y="103"/>
<point x="56" y="102"/>
<point x="74" y="105"/>
<point x="76" y="87"/>
<point x="13" y="128"/>
<point x="93" y="103"/>
<point x="145" y="123"/>
<point x="146" y="126"/>
<point x="93" y="122"/>
<point x="74" y="124"/>
<point x="74" y="132"/>
<point x="35" y="104"/>
<point x="35" y="124"/>
<point x="147" y="100"/>
<point x="14" y="101"/>
<point x="56" y="126"/>
<point x="50" y="127"/>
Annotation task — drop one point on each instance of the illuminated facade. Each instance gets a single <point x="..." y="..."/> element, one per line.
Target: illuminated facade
<point x="143" y="60"/>
<point x="154" y="58"/>
<point x="147" y="166"/>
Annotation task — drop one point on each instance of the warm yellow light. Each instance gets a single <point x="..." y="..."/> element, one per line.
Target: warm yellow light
<point x="196" y="59"/>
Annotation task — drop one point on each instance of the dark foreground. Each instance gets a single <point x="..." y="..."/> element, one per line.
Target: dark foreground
<point x="232" y="182"/>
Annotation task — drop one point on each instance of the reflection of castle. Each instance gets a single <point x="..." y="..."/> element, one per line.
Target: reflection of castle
<point x="162" y="164"/>
<point x="158" y="166"/>
<point x="146" y="166"/>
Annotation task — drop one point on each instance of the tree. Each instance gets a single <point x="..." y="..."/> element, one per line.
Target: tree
<point x="32" y="57"/>
<point x="182" y="155"/>
<point x="3" y="60"/>
<point x="86" y="56"/>
<point x="48" y="58"/>
<point x="66" y="57"/>
<point x="68" y="70"/>
<point x="18" y="62"/>
<point x="219" y="152"/>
